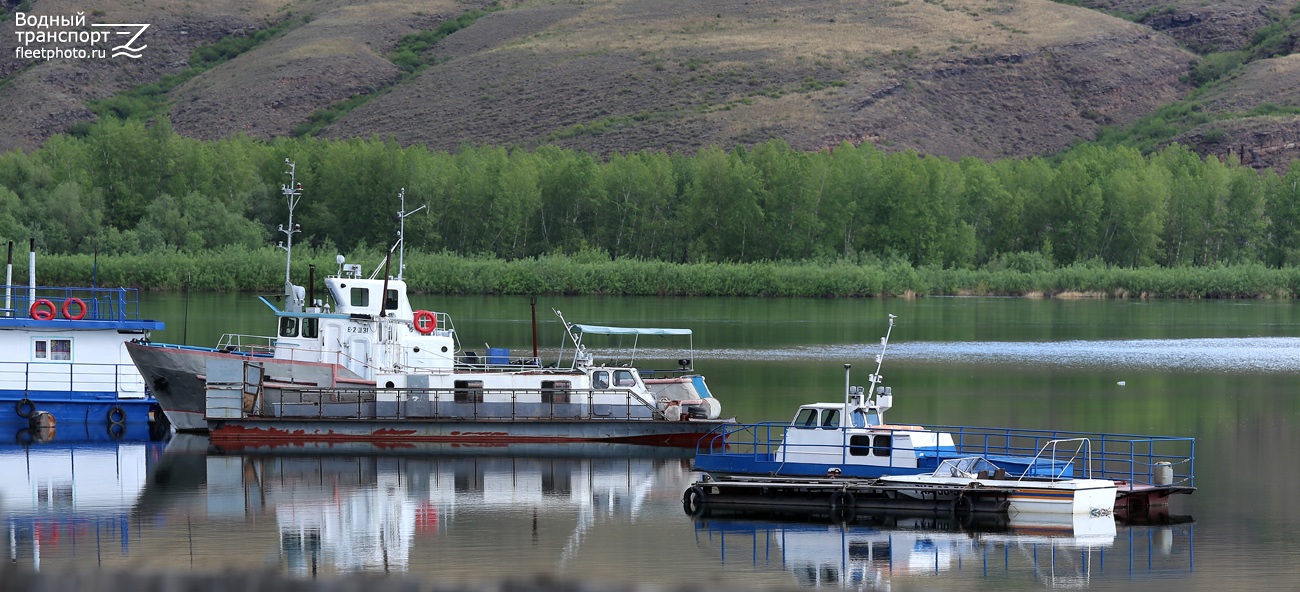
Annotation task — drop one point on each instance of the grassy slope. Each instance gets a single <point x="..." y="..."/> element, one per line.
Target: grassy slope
<point x="339" y="52"/>
<point x="46" y="97"/>
<point x="941" y="76"/>
<point x="953" y="77"/>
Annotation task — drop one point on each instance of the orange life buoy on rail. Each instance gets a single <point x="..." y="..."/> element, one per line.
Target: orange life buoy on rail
<point x="43" y="309"/>
<point x="425" y="322"/>
<point x="81" y="309"/>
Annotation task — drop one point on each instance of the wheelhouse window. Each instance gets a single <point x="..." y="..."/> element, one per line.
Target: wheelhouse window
<point x="52" y="350"/>
<point x="831" y="419"/>
<point x="807" y="418"/>
<point x="360" y="297"/>
<point x="600" y="380"/>
<point x="623" y="378"/>
<point x="390" y="300"/>
<point x="310" y="327"/>
<point x="288" y="327"/>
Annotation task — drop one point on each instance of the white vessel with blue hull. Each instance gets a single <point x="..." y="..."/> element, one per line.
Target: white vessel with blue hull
<point x="63" y="353"/>
<point x="848" y="447"/>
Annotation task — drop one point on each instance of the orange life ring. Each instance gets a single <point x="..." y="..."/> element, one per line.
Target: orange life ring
<point x="81" y="309"/>
<point x="43" y="309"/>
<point x="425" y="322"/>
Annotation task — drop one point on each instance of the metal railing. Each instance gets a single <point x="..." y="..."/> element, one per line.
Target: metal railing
<point x="1128" y="458"/>
<point x="450" y="404"/>
<point x="68" y="376"/>
<point x="102" y="304"/>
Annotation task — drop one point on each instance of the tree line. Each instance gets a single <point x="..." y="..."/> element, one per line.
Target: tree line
<point x="127" y="188"/>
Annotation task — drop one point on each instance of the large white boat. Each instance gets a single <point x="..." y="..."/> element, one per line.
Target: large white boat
<point x="63" y="357"/>
<point x="364" y="364"/>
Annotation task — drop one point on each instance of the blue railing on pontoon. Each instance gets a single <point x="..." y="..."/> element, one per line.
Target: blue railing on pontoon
<point x="102" y="304"/>
<point x="1128" y="458"/>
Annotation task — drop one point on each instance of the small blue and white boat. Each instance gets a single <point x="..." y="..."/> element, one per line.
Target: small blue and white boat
<point x="63" y="357"/>
<point x="846" y="450"/>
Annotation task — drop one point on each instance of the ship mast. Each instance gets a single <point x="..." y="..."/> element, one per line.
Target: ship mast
<point x="401" y="231"/>
<point x="293" y="299"/>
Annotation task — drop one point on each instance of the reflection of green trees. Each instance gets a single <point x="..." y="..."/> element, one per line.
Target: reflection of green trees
<point x="124" y="188"/>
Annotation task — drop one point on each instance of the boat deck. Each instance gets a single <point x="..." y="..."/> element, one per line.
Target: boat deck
<point x="842" y="498"/>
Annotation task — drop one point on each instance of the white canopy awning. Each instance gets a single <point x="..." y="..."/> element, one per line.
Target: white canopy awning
<point x="598" y="330"/>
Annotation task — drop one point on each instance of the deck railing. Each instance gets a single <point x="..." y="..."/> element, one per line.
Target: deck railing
<point x="1128" y="458"/>
<point x="102" y="304"/>
<point x="123" y="379"/>
<point x="473" y="403"/>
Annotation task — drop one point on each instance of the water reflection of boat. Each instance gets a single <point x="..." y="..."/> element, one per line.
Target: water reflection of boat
<point x="61" y="494"/>
<point x="346" y="512"/>
<point x="881" y="547"/>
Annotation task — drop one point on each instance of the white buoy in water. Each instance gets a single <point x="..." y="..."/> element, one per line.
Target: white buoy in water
<point x="1121" y="383"/>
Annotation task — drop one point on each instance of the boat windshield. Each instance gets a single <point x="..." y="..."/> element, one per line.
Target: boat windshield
<point x="807" y="418"/>
<point x="969" y="467"/>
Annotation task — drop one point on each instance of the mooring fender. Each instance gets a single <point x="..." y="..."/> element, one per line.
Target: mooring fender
<point x="843" y="499"/>
<point x="693" y="501"/>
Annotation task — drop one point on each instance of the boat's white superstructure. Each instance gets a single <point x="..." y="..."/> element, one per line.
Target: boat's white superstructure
<point x="365" y="335"/>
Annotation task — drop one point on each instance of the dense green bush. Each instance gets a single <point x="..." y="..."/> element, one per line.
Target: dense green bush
<point x="262" y="269"/>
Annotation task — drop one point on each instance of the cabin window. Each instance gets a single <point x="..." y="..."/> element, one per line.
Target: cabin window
<point x="600" y="380"/>
<point x="310" y="327"/>
<point x="390" y="301"/>
<point x="831" y="418"/>
<point x="873" y="418"/>
<point x="58" y="350"/>
<point x="288" y="327"/>
<point x="858" y="419"/>
<point x="360" y="297"/>
<point x="623" y="378"/>
<point x="469" y="391"/>
<point x="859" y="445"/>
<point x="555" y="391"/>
<point x="884" y="445"/>
<point x="807" y="418"/>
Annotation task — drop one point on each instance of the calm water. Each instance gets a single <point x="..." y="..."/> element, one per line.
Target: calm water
<point x="1223" y="372"/>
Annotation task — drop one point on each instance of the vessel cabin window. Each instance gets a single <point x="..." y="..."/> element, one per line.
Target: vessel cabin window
<point x="310" y="327"/>
<point x="807" y="418"/>
<point x="623" y="378"/>
<point x="883" y="446"/>
<point x="858" y="418"/>
<point x="56" y="350"/>
<point x="360" y="297"/>
<point x="859" y="445"/>
<point x="468" y="391"/>
<point x="873" y="418"/>
<point x="390" y="301"/>
<point x="831" y="418"/>
<point x="600" y="380"/>
<point x="555" y="391"/>
<point x="288" y="327"/>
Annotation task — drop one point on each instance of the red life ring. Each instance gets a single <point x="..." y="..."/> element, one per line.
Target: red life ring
<point x="425" y="322"/>
<point x="43" y="309"/>
<point x="81" y="309"/>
